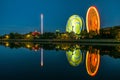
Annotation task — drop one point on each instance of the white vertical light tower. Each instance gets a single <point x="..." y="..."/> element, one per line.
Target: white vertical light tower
<point x="41" y="16"/>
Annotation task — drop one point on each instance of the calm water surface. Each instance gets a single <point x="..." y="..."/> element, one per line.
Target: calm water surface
<point x="59" y="62"/>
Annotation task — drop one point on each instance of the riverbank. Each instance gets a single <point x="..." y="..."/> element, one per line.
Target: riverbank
<point x="63" y="40"/>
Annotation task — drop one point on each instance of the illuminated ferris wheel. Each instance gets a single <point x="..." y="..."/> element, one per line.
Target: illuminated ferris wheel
<point x="92" y="20"/>
<point x="75" y="24"/>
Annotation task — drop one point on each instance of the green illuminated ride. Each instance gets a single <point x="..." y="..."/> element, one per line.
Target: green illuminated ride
<point x="75" y="24"/>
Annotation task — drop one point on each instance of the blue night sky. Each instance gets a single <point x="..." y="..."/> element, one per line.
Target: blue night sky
<point x="24" y="15"/>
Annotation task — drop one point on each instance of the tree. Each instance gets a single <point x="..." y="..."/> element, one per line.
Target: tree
<point x="117" y="36"/>
<point x="12" y="35"/>
<point x="84" y="34"/>
<point x="92" y="34"/>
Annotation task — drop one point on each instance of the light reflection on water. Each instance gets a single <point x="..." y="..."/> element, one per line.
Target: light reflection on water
<point x="66" y="61"/>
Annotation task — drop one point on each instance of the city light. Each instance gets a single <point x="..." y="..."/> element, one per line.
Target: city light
<point x="28" y="36"/>
<point x="7" y="36"/>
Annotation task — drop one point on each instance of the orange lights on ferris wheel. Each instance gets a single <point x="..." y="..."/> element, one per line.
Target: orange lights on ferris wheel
<point x="92" y="19"/>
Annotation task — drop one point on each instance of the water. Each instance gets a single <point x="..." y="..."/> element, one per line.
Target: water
<point x="22" y="61"/>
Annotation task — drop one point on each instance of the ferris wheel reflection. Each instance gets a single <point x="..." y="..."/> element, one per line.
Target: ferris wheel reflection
<point x="74" y="56"/>
<point x="92" y="61"/>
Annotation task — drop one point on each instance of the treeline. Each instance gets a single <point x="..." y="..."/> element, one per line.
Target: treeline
<point x="105" y="33"/>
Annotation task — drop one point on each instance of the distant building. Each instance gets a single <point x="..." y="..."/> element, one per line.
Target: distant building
<point x="35" y="33"/>
<point x="57" y="31"/>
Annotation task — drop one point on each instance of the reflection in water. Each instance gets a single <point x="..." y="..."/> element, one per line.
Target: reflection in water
<point x="92" y="61"/>
<point x="36" y="47"/>
<point x="74" y="53"/>
<point x="6" y="44"/>
<point x="74" y="56"/>
<point x="118" y="48"/>
<point x="41" y="56"/>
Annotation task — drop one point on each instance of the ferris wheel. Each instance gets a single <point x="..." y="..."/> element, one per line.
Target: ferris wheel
<point x="75" y="24"/>
<point x="93" y="19"/>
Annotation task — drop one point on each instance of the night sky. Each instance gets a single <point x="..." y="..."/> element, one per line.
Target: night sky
<point x="24" y="15"/>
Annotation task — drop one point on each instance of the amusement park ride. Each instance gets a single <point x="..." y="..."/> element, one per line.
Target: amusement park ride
<point x="76" y="23"/>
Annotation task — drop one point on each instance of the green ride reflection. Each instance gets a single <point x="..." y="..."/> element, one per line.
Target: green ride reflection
<point x="74" y="56"/>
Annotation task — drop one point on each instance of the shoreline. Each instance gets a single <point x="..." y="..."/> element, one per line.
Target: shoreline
<point x="63" y="40"/>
